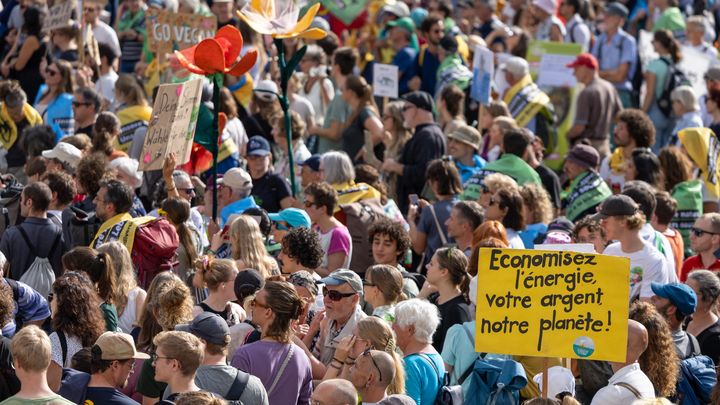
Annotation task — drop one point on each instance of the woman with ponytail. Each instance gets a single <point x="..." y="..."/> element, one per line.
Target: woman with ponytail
<point x="218" y="275"/>
<point x="99" y="266"/>
<point x="282" y="366"/>
<point x="177" y="212"/>
<point x="371" y="333"/>
<point x="656" y="74"/>
<point x="447" y="286"/>
<point x="358" y="94"/>
<point x="105" y="133"/>
<point x="383" y="288"/>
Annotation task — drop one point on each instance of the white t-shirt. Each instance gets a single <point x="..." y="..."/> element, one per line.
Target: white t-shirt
<point x="646" y="265"/>
<point x="616" y="394"/>
<point x="235" y="129"/>
<point x="514" y="240"/>
<point x="130" y="313"/>
<point x="74" y="345"/>
<point x="650" y="235"/>
<point x="106" y="35"/>
<point x="304" y="107"/>
<point x="106" y="86"/>
<point x="315" y="98"/>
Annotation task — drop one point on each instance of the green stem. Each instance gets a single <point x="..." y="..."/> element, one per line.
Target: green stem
<point x="217" y="83"/>
<point x="285" y="105"/>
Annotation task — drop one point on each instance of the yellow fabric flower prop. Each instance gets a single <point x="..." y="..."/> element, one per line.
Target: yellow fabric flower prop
<point x="279" y="19"/>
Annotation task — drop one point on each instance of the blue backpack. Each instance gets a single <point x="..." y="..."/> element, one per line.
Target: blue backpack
<point x="697" y="378"/>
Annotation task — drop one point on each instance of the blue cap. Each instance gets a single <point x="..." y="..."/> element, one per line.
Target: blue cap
<point x="312" y="162"/>
<point x="295" y="217"/>
<point x="680" y="295"/>
<point x="258" y="146"/>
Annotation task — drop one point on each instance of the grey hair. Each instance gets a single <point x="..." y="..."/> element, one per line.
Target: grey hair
<point x="343" y="391"/>
<point x="708" y="285"/>
<point x="337" y="167"/>
<point x="179" y="174"/>
<point x="129" y="167"/>
<point x="698" y="21"/>
<point x="421" y="314"/>
<point x="315" y="54"/>
<point x="685" y="95"/>
<point x="517" y="67"/>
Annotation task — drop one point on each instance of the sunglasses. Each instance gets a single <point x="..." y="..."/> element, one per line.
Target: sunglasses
<point x="699" y="232"/>
<point x="187" y="191"/>
<point x="79" y="103"/>
<point x="368" y="283"/>
<point x="368" y="353"/>
<point x="51" y="72"/>
<point x="256" y="303"/>
<point x="309" y="204"/>
<point x="337" y="295"/>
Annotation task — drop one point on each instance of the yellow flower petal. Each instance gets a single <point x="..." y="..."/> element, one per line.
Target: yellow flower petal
<point x="312" y="33"/>
<point x="307" y="19"/>
<point x="256" y="25"/>
<point x="264" y="7"/>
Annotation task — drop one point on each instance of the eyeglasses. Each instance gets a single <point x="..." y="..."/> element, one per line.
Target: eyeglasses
<point x="187" y="191"/>
<point x="79" y="103"/>
<point x="368" y="353"/>
<point x="368" y="283"/>
<point x="131" y="361"/>
<point x="51" y="72"/>
<point x="337" y="295"/>
<point x="699" y="232"/>
<point x="256" y="303"/>
<point x="154" y="357"/>
<point x="485" y="189"/>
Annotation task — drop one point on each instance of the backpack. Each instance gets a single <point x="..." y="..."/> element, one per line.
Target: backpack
<point x="73" y="385"/>
<point x="83" y="227"/>
<point x="697" y="378"/>
<point x="40" y="276"/>
<point x="237" y="388"/>
<point x="10" y="206"/>
<point x="495" y="381"/>
<point x="675" y="77"/>
<point x="154" y="248"/>
<point x="359" y="217"/>
<point x="448" y="394"/>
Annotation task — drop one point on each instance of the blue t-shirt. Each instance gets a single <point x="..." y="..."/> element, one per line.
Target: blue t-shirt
<point x="531" y="232"/>
<point x="467" y="171"/>
<point x="428" y="70"/>
<point x="405" y="61"/>
<point x="422" y="380"/>
<point x="106" y="395"/>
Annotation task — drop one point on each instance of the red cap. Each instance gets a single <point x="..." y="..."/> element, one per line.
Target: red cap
<point x="586" y="60"/>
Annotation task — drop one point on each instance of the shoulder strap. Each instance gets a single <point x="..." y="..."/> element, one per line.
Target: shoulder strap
<point x="32" y="247"/>
<point x="281" y="370"/>
<point x="54" y="245"/>
<point x="238" y="386"/>
<point x="63" y="346"/>
<point x="432" y="363"/>
<point x="630" y="388"/>
<point x="437" y="225"/>
<point x="26" y="238"/>
<point x="694" y="346"/>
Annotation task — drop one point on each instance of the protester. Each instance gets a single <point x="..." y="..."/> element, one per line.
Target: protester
<point x="113" y="360"/>
<point x="129" y="298"/>
<point x="320" y="202"/>
<point x="634" y="129"/>
<point x="676" y="303"/>
<point x="383" y="289"/>
<point x="335" y="392"/>
<point x="587" y="190"/>
<point x="704" y="322"/>
<point x="705" y="241"/>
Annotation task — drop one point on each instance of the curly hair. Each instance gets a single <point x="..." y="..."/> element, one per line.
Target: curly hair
<point x="393" y="230"/>
<point x="90" y="172"/>
<point x="303" y="245"/>
<point x="78" y="308"/>
<point x="61" y="183"/>
<point x="537" y="200"/>
<point x="7" y="304"/>
<point x="381" y="337"/>
<point x="589" y="223"/>
<point x="676" y="166"/>
<point x="173" y="304"/>
<point x="248" y="245"/>
<point x="639" y="126"/>
<point x="149" y="326"/>
<point x="660" y="361"/>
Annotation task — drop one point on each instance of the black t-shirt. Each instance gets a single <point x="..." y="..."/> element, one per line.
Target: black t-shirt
<point x="106" y="395"/>
<point x="269" y="190"/>
<point x="551" y="183"/>
<point x="9" y="384"/>
<point x="88" y="130"/>
<point x="452" y="312"/>
<point x="16" y="157"/>
<point x="709" y="340"/>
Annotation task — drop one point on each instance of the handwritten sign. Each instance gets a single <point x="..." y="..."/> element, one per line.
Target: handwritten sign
<point x="552" y="304"/>
<point x="385" y="80"/>
<point x="483" y="69"/>
<point x="172" y="125"/>
<point x="59" y="15"/>
<point x="172" y="31"/>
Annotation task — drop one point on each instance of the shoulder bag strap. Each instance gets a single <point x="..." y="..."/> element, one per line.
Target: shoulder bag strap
<point x="26" y="238"/>
<point x="238" y="386"/>
<point x="54" y="245"/>
<point x="281" y="370"/>
<point x="437" y="225"/>
<point x="432" y="363"/>
<point x="467" y="372"/>
<point x="63" y="346"/>
<point x="629" y="388"/>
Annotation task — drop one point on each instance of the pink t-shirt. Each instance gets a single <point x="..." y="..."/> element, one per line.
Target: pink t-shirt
<point x="336" y="240"/>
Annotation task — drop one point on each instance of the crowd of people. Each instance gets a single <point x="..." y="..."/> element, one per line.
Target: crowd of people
<point x="342" y="265"/>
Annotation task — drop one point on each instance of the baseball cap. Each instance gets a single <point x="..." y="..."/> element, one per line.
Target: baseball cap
<point x="248" y="281"/>
<point x="618" y="205"/>
<point x="208" y="326"/>
<point x="405" y="23"/>
<point x="713" y="73"/>
<point x="681" y="295"/>
<point x="560" y="379"/>
<point x="420" y="99"/>
<point x="236" y="178"/>
<point x="467" y="135"/>
<point x="118" y="346"/>
<point x="561" y="224"/>
<point x="617" y="9"/>
<point x="303" y="278"/>
<point x="586" y="60"/>
<point x="313" y="162"/>
<point x="65" y="153"/>
<point x="584" y="155"/>
<point x="258" y="146"/>
<point x="295" y="217"/>
<point x="340" y="276"/>
<point x="398" y="8"/>
<point x="548" y="6"/>
<point x="265" y="85"/>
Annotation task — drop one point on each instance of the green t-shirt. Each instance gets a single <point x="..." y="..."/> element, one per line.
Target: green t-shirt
<point x="338" y="110"/>
<point x="671" y="19"/>
<point x="111" y="317"/>
<point x="51" y="400"/>
<point x="660" y="69"/>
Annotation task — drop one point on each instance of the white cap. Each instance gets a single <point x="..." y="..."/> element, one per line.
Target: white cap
<point x="65" y="153"/>
<point x="266" y="85"/>
<point x="560" y="379"/>
<point x="236" y="178"/>
<point x="548" y="6"/>
<point x="128" y="167"/>
<point x="398" y="8"/>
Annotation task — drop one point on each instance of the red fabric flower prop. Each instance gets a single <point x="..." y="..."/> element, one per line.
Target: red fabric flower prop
<point x="218" y="54"/>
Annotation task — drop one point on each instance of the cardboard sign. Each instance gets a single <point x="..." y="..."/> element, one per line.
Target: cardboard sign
<point x="552" y="304"/>
<point x="385" y="80"/>
<point x="172" y="31"/>
<point x="483" y="70"/>
<point x="172" y="125"/>
<point x="59" y="16"/>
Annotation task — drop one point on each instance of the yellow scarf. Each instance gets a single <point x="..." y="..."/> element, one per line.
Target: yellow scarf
<point x="131" y="118"/>
<point x="8" y="129"/>
<point x="617" y="161"/>
<point x="351" y="192"/>
<point x="524" y="100"/>
<point x="122" y="228"/>
<point x="703" y="148"/>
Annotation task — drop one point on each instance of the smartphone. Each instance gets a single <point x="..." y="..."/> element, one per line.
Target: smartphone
<point x="413" y="199"/>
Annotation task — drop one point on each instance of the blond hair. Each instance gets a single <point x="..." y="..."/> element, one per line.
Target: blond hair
<point x="124" y="273"/>
<point x="497" y="181"/>
<point x="248" y="246"/>
<point x="173" y="304"/>
<point x="31" y="349"/>
<point x="388" y="280"/>
<point x="214" y="272"/>
<point x="505" y="124"/>
<point x="381" y="337"/>
<point x="537" y="200"/>
<point x="184" y="347"/>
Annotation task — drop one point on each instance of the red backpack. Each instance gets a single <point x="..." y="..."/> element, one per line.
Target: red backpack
<point x="156" y="242"/>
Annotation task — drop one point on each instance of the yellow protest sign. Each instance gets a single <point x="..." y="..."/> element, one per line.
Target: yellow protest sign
<point x="552" y="304"/>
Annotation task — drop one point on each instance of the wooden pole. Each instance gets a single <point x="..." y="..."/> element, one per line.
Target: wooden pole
<point x="546" y="364"/>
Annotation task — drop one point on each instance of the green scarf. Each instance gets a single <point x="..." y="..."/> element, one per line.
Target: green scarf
<point x="587" y="191"/>
<point x="688" y="195"/>
<point x="508" y="164"/>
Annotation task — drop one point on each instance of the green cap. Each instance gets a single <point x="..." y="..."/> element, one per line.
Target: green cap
<point x="405" y="23"/>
